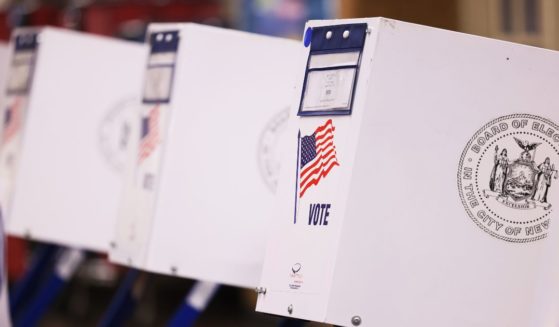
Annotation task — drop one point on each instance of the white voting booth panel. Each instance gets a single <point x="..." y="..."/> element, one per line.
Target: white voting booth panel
<point x="4" y="311"/>
<point x="545" y="305"/>
<point x="419" y="179"/>
<point x="199" y="195"/>
<point x="71" y="101"/>
<point x="4" y="55"/>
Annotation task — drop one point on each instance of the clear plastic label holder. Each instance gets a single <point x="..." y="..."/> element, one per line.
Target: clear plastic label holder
<point x="23" y="63"/>
<point x="161" y="67"/>
<point x="332" y="70"/>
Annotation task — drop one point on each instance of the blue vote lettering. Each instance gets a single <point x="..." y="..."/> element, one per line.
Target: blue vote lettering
<point x="318" y="214"/>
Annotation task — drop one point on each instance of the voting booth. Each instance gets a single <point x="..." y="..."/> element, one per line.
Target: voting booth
<point x="4" y="59"/>
<point x="4" y="315"/>
<point x="200" y="192"/>
<point x="68" y="120"/>
<point x="419" y="181"/>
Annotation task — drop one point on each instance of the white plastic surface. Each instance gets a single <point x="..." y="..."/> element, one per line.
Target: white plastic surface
<point x="69" y="176"/>
<point x="399" y="248"/>
<point x="4" y="308"/>
<point x="4" y="60"/>
<point x="205" y="215"/>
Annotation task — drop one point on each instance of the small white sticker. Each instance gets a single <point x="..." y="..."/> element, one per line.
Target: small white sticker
<point x="158" y="83"/>
<point x="329" y="90"/>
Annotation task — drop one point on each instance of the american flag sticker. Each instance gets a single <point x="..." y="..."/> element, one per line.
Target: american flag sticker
<point x="149" y="138"/>
<point x="12" y="121"/>
<point x="317" y="156"/>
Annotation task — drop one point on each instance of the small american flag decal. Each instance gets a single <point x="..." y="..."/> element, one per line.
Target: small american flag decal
<point x="318" y="156"/>
<point x="150" y="134"/>
<point x="12" y="121"/>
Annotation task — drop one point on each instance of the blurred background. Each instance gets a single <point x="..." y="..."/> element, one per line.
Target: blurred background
<point x="527" y="21"/>
<point x="84" y="300"/>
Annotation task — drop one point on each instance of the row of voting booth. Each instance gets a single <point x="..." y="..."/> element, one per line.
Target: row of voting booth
<point x="377" y="173"/>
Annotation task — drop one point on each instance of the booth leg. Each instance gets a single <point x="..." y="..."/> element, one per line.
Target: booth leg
<point x="194" y="304"/>
<point x="66" y="264"/>
<point x="123" y="303"/>
<point x="39" y="266"/>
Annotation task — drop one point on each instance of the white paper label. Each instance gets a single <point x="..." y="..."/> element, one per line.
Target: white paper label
<point x="20" y="72"/>
<point x="329" y="90"/>
<point x="334" y="59"/>
<point x="158" y="83"/>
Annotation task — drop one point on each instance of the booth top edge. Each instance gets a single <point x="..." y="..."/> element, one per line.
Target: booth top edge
<point x="382" y="23"/>
<point x="57" y="30"/>
<point x="167" y="27"/>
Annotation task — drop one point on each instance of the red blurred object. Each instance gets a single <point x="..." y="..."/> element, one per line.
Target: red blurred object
<point x="44" y="16"/>
<point x="17" y="249"/>
<point x="4" y="28"/>
<point x="184" y="12"/>
<point x="107" y="19"/>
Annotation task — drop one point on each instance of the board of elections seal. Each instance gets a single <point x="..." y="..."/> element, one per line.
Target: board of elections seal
<point x="115" y="132"/>
<point x="507" y="177"/>
<point x="268" y="148"/>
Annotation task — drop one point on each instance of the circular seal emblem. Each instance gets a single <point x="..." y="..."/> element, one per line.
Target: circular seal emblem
<point x="268" y="148"/>
<point x="115" y="132"/>
<point x="507" y="176"/>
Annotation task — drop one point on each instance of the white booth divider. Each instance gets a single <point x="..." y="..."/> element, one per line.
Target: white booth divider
<point x="199" y="194"/>
<point x="71" y="104"/>
<point x="4" y="59"/>
<point x="4" y="65"/>
<point x="419" y="181"/>
<point x="4" y="310"/>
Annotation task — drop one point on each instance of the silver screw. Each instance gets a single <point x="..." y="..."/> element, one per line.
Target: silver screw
<point x="260" y="290"/>
<point x="328" y="35"/>
<point x="346" y="34"/>
<point x="173" y="270"/>
<point x="356" y="321"/>
<point x="290" y="309"/>
<point x="369" y="31"/>
<point x="113" y="245"/>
